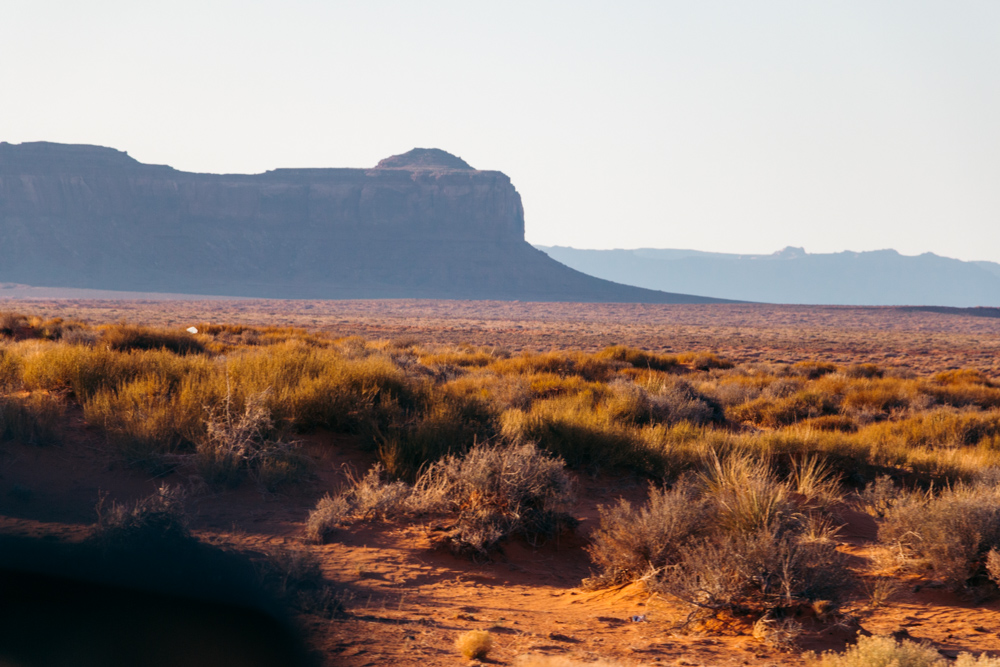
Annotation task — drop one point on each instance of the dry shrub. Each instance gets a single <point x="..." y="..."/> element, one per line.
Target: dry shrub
<point x="778" y="412"/>
<point x="474" y="644"/>
<point x="673" y="400"/>
<point x="460" y="358"/>
<point x="951" y="532"/>
<point x="21" y="327"/>
<point x="125" y="337"/>
<point x="735" y="543"/>
<point x="589" y="367"/>
<point x="148" y="420"/>
<point x="10" y="370"/>
<point x="704" y="361"/>
<point x="34" y="419"/>
<point x="450" y="423"/>
<point x="866" y="371"/>
<point x="330" y="512"/>
<point x="780" y="633"/>
<point x="938" y="428"/>
<point x="879" y="397"/>
<point x="737" y="390"/>
<point x="879" y="496"/>
<point x="11" y="323"/>
<point x="813" y="369"/>
<point x="962" y="376"/>
<point x="493" y="493"/>
<point x="497" y="492"/>
<point x="880" y="651"/>
<point x="154" y="523"/>
<point x="631" y="543"/>
<point x="238" y="443"/>
<point x="640" y="358"/>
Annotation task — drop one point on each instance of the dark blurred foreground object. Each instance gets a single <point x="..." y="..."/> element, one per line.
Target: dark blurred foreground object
<point x="80" y="605"/>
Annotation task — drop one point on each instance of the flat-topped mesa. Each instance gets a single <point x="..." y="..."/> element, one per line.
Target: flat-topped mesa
<point x="49" y="156"/>
<point x="423" y="224"/>
<point x="425" y="158"/>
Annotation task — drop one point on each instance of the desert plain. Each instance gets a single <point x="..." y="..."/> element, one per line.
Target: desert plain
<point x="404" y="599"/>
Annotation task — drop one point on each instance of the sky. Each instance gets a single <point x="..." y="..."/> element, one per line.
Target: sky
<point x="721" y="126"/>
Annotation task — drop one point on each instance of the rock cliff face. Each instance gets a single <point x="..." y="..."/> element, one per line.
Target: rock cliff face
<point x="424" y="224"/>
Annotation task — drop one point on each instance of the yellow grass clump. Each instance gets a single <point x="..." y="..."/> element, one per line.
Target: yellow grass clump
<point x="474" y="644"/>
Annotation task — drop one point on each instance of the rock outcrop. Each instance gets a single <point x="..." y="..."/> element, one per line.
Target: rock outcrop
<point x="424" y="224"/>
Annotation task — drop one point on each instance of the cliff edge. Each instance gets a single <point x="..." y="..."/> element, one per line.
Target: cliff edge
<point x="424" y="224"/>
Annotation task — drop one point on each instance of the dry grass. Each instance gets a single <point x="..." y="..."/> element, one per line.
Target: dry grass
<point x="474" y="644"/>
<point x="489" y="494"/>
<point x="730" y="540"/>
<point x="621" y="407"/>
<point x="879" y="651"/>
<point x="950" y="533"/>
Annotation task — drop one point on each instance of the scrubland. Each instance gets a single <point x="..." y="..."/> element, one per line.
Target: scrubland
<point x="746" y="486"/>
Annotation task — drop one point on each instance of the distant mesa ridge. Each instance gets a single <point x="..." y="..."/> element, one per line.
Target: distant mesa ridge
<point x="423" y="224"/>
<point x="793" y="276"/>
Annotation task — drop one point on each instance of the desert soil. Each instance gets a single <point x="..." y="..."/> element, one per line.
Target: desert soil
<point x="408" y="601"/>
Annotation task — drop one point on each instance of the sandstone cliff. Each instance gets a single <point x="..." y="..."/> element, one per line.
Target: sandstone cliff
<point x="419" y="225"/>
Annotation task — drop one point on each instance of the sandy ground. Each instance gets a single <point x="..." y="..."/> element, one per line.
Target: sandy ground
<point x="407" y="602"/>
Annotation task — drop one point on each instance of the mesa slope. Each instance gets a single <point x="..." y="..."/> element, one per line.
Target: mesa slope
<point x="424" y="224"/>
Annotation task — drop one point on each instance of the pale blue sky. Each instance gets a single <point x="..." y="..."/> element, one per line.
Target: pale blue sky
<point x="725" y="126"/>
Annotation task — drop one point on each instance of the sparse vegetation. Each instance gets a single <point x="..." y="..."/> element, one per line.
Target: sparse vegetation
<point x="474" y="644"/>
<point x="882" y="651"/>
<point x="731" y="540"/>
<point x="490" y="493"/>
<point x="155" y="523"/>
<point x="951" y="532"/>
<point x="748" y="463"/>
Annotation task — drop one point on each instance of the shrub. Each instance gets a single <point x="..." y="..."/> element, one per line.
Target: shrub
<point x="704" y="361"/>
<point x="474" y="644"/>
<point x="150" y="419"/>
<point x="124" y="337"/>
<point x="813" y="369"/>
<point x="673" y="400"/>
<point x="867" y="371"/>
<point x="952" y="532"/>
<point x="776" y="566"/>
<point x="778" y="412"/>
<point x="450" y="423"/>
<point x="33" y="420"/>
<point x="10" y="370"/>
<point x="633" y="542"/>
<point x="493" y="493"/>
<point x="571" y="427"/>
<point x="154" y="523"/>
<point x="238" y="443"/>
<point x="880" y="651"/>
<point x="640" y="358"/>
<point x="330" y="512"/>
<point x="734" y="542"/>
<point x="498" y="492"/>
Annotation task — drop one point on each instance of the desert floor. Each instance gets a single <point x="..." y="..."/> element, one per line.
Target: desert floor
<point x="406" y="601"/>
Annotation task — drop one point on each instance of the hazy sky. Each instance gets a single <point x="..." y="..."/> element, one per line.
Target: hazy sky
<point x="727" y="126"/>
